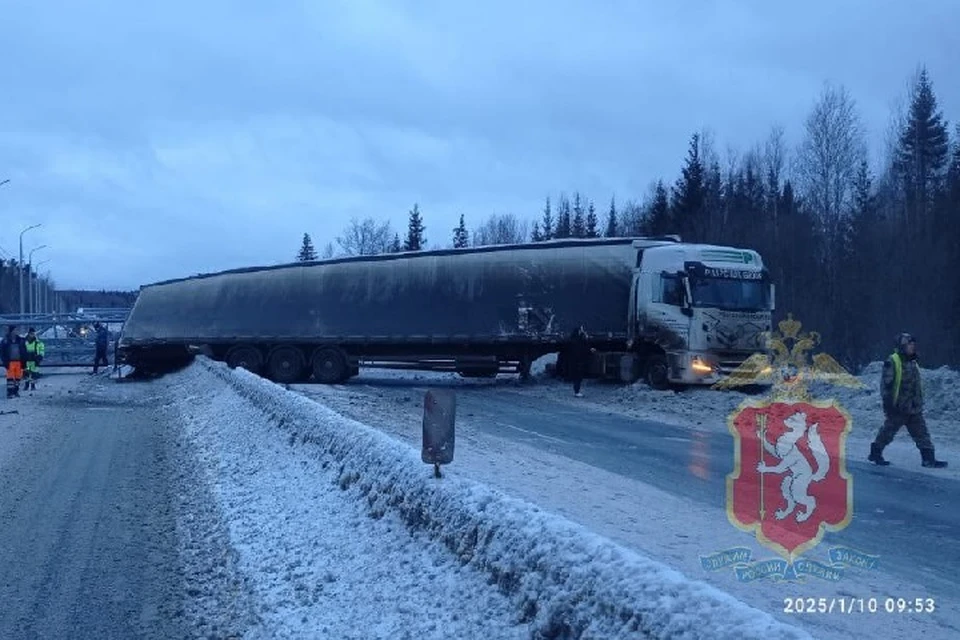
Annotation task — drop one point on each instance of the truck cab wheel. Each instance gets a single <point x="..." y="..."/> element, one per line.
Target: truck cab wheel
<point x="286" y="365"/>
<point x="329" y="366"/>
<point x="246" y="357"/>
<point x="657" y="374"/>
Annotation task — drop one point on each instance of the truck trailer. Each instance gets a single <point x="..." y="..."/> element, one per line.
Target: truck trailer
<point x="671" y="312"/>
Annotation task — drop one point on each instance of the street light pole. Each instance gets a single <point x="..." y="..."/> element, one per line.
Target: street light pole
<point x="45" y="294"/>
<point x="20" y="264"/>
<point x="36" y="304"/>
<point x="30" y="276"/>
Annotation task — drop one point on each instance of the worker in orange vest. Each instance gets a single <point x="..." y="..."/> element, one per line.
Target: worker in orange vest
<point x="13" y="353"/>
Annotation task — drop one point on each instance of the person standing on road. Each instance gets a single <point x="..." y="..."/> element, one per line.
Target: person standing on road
<point x="578" y="359"/>
<point x="101" y="354"/>
<point x="13" y="352"/>
<point x="902" y="396"/>
<point x="35" y="352"/>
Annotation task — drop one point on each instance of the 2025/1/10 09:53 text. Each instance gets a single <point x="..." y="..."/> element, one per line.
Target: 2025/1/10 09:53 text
<point x="835" y="604"/>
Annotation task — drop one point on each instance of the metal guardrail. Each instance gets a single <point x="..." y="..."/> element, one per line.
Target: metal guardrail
<point x="88" y="315"/>
<point x="68" y="338"/>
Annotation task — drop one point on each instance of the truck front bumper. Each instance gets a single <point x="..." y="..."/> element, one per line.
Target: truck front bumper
<point x="701" y="368"/>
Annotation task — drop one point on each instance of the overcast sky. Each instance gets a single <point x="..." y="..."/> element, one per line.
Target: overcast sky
<point x="162" y="139"/>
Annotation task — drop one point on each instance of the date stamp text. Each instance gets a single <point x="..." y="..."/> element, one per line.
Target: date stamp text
<point x="854" y="605"/>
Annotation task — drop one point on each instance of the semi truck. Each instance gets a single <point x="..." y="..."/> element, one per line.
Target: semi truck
<point x="673" y="313"/>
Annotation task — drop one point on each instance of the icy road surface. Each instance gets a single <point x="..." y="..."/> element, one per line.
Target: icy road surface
<point x="660" y="488"/>
<point x="88" y="528"/>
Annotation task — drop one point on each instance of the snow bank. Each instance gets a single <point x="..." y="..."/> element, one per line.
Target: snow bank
<point x="314" y="562"/>
<point x="562" y="580"/>
<point x="941" y="388"/>
<point x="538" y="369"/>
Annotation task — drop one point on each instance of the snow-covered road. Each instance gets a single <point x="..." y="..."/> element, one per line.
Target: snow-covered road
<point x="659" y="486"/>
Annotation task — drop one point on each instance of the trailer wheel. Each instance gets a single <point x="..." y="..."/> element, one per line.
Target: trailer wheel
<point x="246" y="357"/>
<point x="657" y="374"/>
<point x="329" y="366"/>
<point x="286" y="365"/>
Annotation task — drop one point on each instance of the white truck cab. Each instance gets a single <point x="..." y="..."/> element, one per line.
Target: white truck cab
<point x="701" y="311"/>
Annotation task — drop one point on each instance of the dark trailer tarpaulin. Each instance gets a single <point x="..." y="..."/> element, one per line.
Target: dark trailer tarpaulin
<point x="473" y="294"/>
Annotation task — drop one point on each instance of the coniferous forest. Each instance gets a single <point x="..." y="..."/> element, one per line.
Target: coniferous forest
<point x="860" y="247"/>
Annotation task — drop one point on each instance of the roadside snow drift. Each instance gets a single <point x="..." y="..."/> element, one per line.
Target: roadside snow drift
<point x="558" y="580"/>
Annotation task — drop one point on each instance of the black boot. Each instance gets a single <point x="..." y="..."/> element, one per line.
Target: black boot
<point x="876" y="455"/>
<point x="930" y="460"/>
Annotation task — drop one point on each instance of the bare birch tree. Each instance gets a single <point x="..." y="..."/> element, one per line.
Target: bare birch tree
<point x="365" y="237"/>
<point x="503" y="228"/>
<point x="830" y="155"/>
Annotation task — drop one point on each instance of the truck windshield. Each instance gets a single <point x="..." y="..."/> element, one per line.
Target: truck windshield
<point x="730" y="294"/>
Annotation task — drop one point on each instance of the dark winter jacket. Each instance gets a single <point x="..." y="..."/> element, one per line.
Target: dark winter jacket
<point x="102" y="337"/>
<point x="12" y="349"/>
<point x="909" y="397"/>
<point x="578" y="353"/>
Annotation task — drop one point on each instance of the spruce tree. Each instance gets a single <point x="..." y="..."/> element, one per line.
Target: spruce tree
<point x="415" y="239"/>
<point x="592" y="222"/>
<point x="578" y="226"/>
<point x="461" y="238"/>
<point x="658" y="217"/>
<point x="307" y="252"/>
<point x="612" y="231"/>
<point x="689" y="195"/>
<point x="535" y="235"/>
<point x="922" y="158"/>
<point x="951" y="239"/>
<point x="953" y="173"/>
<point x="854" y="294"/>
<point x="923" y="150"/>
<point x="564" y="226"/>
<point x="395" y="246"/>
<point x="546" y="227"/>
<point x="713" y="201"/>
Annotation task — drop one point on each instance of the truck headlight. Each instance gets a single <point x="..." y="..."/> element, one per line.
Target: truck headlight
<point x="700" y="366"/>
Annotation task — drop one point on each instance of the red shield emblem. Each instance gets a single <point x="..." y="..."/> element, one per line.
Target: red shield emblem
<point x="790" y="480"/>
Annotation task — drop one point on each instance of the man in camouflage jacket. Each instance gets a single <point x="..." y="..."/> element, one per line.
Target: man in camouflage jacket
<point x="902" y="394"/>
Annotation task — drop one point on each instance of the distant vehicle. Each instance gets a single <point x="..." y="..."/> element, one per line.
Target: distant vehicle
<point x="654" y="307"/>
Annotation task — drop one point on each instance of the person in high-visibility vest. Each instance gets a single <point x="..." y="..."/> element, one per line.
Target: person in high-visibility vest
<point x="13" y="352"/>
<point x="902" y="396"/>
<point x="35" y="353"/>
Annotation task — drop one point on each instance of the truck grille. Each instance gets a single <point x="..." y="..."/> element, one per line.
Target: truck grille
<point x="730" y="360"/>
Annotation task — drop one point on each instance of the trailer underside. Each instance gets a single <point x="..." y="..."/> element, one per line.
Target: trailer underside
<point x="329" y="362"/>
